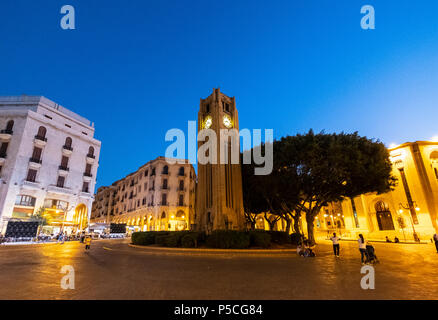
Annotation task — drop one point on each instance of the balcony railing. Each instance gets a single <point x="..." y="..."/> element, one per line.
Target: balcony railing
<point x="64" y="168"/>
<point x="6" y="131"/>
<point x="34" y="160"/>
<point x="41" y="138"/>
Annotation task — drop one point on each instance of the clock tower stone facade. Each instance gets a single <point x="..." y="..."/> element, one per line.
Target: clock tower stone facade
<point x="219" y="201"/>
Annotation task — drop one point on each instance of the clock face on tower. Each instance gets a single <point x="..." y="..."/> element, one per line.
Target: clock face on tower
<point x="227" y="121"/>
<point x="208" y="122"/>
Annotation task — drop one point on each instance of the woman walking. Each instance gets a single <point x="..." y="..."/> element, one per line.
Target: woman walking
<point x="362" y="249"/>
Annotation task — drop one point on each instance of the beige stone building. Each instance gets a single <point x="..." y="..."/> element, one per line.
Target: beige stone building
<point x="158" y="196"/>
<point x="409" y="211"/>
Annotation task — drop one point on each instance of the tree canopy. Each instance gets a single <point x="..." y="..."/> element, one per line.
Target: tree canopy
<point x="311" y="170"/>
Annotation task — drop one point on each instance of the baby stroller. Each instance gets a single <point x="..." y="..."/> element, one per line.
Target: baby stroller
<point x="372" y="258"/>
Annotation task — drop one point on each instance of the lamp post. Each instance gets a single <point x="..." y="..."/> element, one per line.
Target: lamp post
<point x="409" y="207"/>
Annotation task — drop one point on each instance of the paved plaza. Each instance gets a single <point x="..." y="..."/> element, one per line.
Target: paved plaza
<point x="114" y="270"/>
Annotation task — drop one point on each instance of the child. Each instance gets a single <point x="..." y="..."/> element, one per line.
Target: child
<point x="87" y="242"/>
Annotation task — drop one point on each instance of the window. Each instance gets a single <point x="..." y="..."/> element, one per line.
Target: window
<point x="165" y="184"/>
<point x="88" y="170"/>
<point x="48" y="117"/>
<point x="26" y="201"/>
<point x="207" y="108"/>
<point x="41" y="135"/>
<point x="60" y="182"/>
<point x="31" y="175"/>
<point x="181" y="200"/>
<point x="85" y="133"/>
<point x="3" y="149"/>
<point x="146" y="173"/>
<point x="165" y="170"/>
<point x="181" y="171"/>
<point x="181" y="185"/>
<point x="68" y="143"/>
<point x="164" y="199"/>
<point x="64" y="163"/>
<point x="9" y="127"/>
<point x="68" y="126"/>
<point x="36" y="154"/>
<point x="55" y="204"/>
<point x="90" y="152"/>
<point x="85" y="187"/>
<point x="153" y="172"/>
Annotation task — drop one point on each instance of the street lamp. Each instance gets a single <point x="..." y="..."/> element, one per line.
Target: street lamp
<point x="408" y="206"/>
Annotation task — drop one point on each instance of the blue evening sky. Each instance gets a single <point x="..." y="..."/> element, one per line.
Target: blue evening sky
<point x="138" y="68"/>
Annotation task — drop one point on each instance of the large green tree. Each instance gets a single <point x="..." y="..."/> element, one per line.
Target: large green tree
<point x="332" y="167"/>
<point x="311" y="170"/>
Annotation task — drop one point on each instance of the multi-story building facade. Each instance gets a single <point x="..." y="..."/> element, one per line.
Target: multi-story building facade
<point x="48" y="163"/>
<point x="408" y="212"/>
<point x="158" y="196"/>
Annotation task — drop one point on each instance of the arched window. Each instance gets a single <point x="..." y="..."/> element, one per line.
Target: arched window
<point x="42" y="133"/>
<point x="165" y="170"/>
<point x="9" y="126"/>
<point x="68" y="142"/>
<point x="383" y="215"/>
<point x="90" y="152"/>
<point x="163" y="215"/>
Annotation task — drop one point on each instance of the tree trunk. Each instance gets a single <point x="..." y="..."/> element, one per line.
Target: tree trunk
<point x="297" y="224"/>
<point x="310" y="230"/>
<point x="288" y="224"/>
<point x="271" y="225"/>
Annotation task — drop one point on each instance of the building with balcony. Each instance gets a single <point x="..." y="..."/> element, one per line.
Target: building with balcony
<point x="48" y="163"/>
<point x="158" y="196"/>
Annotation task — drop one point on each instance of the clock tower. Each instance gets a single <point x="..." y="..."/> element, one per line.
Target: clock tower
<point x="219" y="201"/>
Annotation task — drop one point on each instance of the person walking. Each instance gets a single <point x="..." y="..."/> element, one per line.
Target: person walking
<point x="87" y="242"/>
<point x="335" y="239"/>
<point x="61" y="237"/>
<point x="363" y="249"/>
<point x="435" y="238"/>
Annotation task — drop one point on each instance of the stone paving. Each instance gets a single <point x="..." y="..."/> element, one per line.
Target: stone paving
<point x="114" y="270"/>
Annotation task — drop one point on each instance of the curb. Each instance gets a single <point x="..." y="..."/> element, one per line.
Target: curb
<point x="382" y="241"/>
<point x="204" y="250"/>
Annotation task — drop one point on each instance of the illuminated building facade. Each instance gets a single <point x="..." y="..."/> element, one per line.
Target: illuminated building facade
<point x="158" y="196"/>
<point x="48" y="164"/>
<point x="408" y="212"/>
